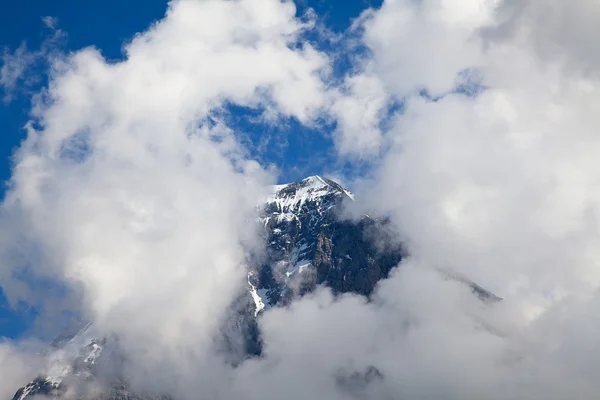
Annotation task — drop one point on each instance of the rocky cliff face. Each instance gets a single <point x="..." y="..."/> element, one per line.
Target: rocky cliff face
<point x="309" y="243"/>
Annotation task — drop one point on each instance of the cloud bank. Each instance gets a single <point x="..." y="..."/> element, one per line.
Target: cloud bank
<point x="478" y="119"/>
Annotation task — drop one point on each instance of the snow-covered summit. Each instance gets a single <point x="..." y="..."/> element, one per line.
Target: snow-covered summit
<point x="291" y="197"/>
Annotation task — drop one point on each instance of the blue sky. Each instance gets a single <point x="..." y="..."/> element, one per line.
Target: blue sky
<point x="297" y="151"/>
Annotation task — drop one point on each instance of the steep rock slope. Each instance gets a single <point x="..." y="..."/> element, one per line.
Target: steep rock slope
<point x="310" y="243"/>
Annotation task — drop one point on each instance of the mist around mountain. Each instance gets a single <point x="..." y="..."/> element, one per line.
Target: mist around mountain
<point x="312" y="239"/>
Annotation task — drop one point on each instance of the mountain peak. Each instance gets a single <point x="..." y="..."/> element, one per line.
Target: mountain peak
<point x="292" y="196"/>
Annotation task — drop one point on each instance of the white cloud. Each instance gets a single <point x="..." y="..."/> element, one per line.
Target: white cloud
<point x="358" y="109"/>
<point x="423" y="45"/>
<point x="504" y="179"/>
<point x="556" y="31"/>
<point x="499" y="187"/>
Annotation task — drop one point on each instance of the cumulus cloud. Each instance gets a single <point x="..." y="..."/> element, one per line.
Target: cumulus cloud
<point x="502" y="178"/>
<point x="556" y="31"/>
<point x="495" y="184"/>
<point x="358" y="109"/>
<point x="423" y="45"/>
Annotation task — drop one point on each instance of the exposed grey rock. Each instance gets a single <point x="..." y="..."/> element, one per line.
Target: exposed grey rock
<point x="309" y="243"/>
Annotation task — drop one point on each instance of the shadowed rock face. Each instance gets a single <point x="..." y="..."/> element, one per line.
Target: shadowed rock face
<point x="347" y="259"/>
<point x="309" y="243"/>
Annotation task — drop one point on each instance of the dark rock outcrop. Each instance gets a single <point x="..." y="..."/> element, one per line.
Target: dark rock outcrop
<point x="310" y="243"/>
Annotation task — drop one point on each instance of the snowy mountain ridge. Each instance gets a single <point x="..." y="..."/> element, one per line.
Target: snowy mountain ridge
<point x="290" y="197"/>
